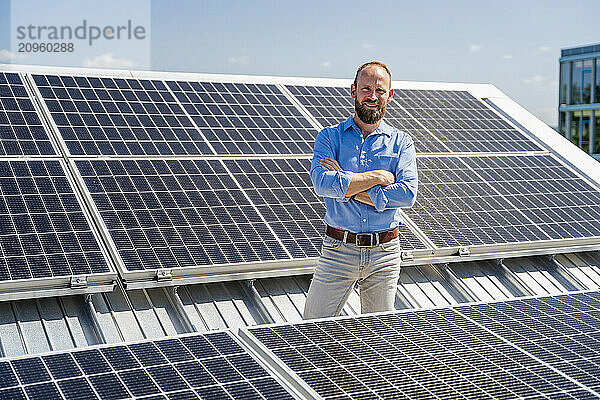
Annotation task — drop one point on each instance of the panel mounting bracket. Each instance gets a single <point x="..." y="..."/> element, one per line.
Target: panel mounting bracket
<point x="164" y="275"/>
<point x="464" y="252"/>
<point x="406" y="256"/>
<point x="78" y="282"/>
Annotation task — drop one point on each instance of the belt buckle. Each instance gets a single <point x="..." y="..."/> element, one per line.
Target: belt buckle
<point x="357" y="240"/>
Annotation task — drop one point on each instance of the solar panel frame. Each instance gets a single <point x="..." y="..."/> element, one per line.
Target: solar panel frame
<point x="215" y="362"/>
<point x="59" y="232"/>
<point x="502" y="204"/>
<point x="110" y="126"/>
<point x="196" y="273"/>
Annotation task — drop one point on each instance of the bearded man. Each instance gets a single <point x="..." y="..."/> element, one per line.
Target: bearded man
<point x="365" y="170"/>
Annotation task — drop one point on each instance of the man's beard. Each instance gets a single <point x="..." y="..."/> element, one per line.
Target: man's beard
<point x="369" y="116"/>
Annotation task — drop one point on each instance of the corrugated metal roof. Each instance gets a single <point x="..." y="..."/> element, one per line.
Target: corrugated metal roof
<point x="58" y="323"/>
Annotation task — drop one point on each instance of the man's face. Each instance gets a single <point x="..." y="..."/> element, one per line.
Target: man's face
<point x="371" y="94"/>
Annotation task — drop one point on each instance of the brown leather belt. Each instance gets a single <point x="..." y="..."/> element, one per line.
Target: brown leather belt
<point x="362" y="239"/>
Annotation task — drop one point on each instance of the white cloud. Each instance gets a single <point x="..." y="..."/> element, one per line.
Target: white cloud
<point x="108" y="60"/>
<point x="9" y="56"/>
<point x="535" y="79"/>
<point x="238" y="60"/>
<point x="541" y="49"/>
<point x="368" y="46"/>
<point x="325" y="64"/>
<point x="475" y="48"/>
<point x="506" y="56"/>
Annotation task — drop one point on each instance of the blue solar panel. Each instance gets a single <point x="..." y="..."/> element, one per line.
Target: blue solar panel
<point x="177" y="214"/>
<point x="245" y="118"/>
<point x="44" y="231"/>
<point x="118" y="117"/>
<point x="532" y="348"/>
<point x="437" y="120"/>
<point x="457" y="207"/>
<point x="211" y="365"/>
<point x="21" y="129"/>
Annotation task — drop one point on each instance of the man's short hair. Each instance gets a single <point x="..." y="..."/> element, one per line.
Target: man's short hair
<point x="370" y="63"/>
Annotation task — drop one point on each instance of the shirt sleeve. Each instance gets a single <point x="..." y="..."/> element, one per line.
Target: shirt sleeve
<point x="402" y="193"/>
<point x="332" y="184"/>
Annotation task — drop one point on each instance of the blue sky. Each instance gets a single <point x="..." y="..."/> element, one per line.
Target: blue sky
<point x="514" y="45"/>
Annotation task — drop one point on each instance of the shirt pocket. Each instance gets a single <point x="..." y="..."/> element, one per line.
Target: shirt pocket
<point x="387" y="162"/>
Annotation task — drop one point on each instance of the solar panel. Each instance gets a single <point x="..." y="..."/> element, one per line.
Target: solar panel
<point x="556" y="200"/>
<point x="329" y="105"/>
<point x="437" y="120"/>
<point x="332" y="105"/>
<point x="177" y="213"/>
<point x="465" y="352"/>
<point x="21" y="130"/>
<point x="282" y="192"/>
<point x="562" y="331"/>
<point x="118" y="116"/>
<point x="207" y="366"/>
<point x="44" y="232"/>
<point x="245" y="118"/>
<point x="456" y="207"/>
<point x="462" y="122"/>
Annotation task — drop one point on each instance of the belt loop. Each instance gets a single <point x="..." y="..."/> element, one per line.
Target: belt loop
<point x="377" y="236"/>
<point x="345" y="237"/>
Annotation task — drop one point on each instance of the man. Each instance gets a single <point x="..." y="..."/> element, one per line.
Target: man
<point x="366" y="170"/>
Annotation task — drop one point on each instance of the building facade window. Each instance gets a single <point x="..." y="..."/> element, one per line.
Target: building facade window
<point x="580" y="129"/>
<point x="586" y="81"/>
<point x="596" y="149"/>
<point x="576" y="69"/>
<point x="579" y="97"/>
<point x="597" y="95"/>
<point x="564" y="82"/>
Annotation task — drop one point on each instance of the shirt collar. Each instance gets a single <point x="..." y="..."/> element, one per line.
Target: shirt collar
<point x="383" y="127"/>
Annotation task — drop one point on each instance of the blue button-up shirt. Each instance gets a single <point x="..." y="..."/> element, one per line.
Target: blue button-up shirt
<point x="386" y="148"/>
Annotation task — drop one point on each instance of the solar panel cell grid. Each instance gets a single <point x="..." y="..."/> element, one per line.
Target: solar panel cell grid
<point x="282" y="192"/>
<point x="332" y="105"/>
<point x="414" y="354"/>
<point x="560" y="203"/>
<point x="561" y="331"/>
<point x="21" y="130"/>
<point x="437" y="120"/>
<point x="461" y="122"/>
<point x="116" y="116"/>
<point x="245" y="118"/>
<point x="177" y="213"/>
<point x="43" y="230"/>
<point x="219" y="365"/>
<point x="455" y="207"/>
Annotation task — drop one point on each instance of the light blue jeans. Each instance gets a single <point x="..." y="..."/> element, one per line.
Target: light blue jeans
<point x="341" y="265"/>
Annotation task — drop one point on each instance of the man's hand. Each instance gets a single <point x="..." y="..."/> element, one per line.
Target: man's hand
<point x="386" y="177"/>
<point x="330" y="164"/>
<point x="364" y="197"/>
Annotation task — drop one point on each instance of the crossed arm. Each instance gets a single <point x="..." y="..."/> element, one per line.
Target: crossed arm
<point x="361" y="181"/>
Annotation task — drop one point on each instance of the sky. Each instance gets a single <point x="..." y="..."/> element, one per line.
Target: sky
<point x="514" y="45"/>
